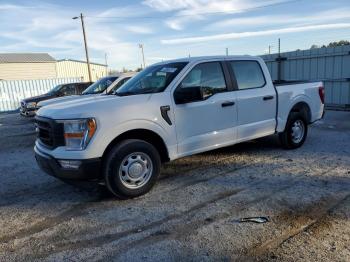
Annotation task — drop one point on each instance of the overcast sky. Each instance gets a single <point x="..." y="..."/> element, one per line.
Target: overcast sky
<point x="169" y="28"/>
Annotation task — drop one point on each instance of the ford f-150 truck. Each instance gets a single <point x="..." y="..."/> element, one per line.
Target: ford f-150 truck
<point x="170" y="110"/>
<point x="105" y="85"/>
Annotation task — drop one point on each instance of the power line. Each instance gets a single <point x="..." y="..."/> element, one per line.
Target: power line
<point x="203" y="13"/>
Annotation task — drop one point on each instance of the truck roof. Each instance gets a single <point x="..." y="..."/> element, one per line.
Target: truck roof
<point x="200" y="58"/>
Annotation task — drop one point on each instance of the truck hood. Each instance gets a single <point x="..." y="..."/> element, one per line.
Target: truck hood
<point x="39" y="98"/>
<point x="93" y="106"/>
<point x="61" y="99"/>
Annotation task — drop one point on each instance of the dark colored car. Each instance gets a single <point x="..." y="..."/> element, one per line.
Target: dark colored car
<point x="28" y="105"/>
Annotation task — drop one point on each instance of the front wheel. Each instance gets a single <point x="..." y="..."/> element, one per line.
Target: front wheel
<point x="295" y="132"/>
<point x="131" y="168"/>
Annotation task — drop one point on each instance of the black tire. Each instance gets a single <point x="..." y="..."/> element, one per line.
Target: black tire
<point x="286" y="138"/>
<point x="117" y="181"/>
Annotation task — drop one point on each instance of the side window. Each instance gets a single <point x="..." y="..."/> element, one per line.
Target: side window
<point x="248" y="74"/>
<point x="68" y="90"/>
<point x="82" y="87"/>
<point x="76" y="88"/>
<point x="208" y="77"/>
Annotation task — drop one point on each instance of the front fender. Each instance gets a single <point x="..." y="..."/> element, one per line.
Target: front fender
<point x="132" y="125"/>
<point x="101" y="140"/>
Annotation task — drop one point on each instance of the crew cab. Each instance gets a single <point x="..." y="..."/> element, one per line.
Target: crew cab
<point x="170" y="110"/>
<point x="105" y="85"/>
<point x="28" y="106"/>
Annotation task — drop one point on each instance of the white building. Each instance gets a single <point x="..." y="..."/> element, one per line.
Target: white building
<point x="27" y="66"/>
<point x="75" y="68"/>
<point x="33" y="66"/>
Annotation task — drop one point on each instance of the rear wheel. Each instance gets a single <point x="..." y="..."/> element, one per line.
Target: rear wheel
<point x="295" y="132"/>
<point x="131" y="168"/>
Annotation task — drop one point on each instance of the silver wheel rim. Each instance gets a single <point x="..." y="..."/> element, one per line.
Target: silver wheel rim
<point x="298" y="131"/>
<point x="135" y="170"/>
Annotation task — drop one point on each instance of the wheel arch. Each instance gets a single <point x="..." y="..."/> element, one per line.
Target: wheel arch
<point x="145" y="135"/>
<point x="304" y="109"/>
<point x="298" y="106"/>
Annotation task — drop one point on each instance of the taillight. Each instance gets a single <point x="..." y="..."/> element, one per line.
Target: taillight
<point x="321" y="93"/>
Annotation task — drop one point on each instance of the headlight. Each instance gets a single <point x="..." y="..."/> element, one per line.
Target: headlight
<point x="31" y="105"/>
<point x="78" y="133"/>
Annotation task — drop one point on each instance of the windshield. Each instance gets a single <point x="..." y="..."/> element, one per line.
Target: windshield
<point x="153" y="79"/>
<point x="118" y="85"/>
<point x="100" y="85"/>
<point x="55" y="89"/>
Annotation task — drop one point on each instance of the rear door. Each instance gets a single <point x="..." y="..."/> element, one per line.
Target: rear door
<point x="209" y="122"/>
<point x="256" y="100"/>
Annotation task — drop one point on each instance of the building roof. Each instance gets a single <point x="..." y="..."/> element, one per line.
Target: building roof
<point x="79" y="61"/>
<point x="26" y="58"/>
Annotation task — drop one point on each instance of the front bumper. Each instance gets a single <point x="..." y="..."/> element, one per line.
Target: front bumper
<point x="89" y="169"/>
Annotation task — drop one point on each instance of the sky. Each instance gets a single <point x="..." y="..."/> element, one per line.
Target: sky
<point x="169" y="29"/>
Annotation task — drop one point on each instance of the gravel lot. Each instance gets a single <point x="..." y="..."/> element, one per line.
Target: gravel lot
<point x="193" y="211"/>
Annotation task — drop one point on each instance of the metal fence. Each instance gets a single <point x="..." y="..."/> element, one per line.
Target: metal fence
<point x="331" y="65"/>
<point x="13" y="91"/>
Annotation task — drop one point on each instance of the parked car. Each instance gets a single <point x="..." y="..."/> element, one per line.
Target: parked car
<point x="28" y="106"/>
<point x="170" y="110"/>
<point x="105" y="85"/>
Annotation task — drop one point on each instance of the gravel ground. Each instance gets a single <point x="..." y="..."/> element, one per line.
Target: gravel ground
<point x="193" y="211"/>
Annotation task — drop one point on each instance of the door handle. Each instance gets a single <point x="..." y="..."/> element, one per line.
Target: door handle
<point x="268" y="97"/>
<point x="228" y="103"/>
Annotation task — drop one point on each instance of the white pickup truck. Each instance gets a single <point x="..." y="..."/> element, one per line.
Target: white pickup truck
<point x="170" y="110"/>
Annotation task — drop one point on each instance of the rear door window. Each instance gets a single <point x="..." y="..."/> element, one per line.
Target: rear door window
<point x="248" y="74"/>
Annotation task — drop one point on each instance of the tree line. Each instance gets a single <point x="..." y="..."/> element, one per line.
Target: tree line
<point x="332" y="44"/>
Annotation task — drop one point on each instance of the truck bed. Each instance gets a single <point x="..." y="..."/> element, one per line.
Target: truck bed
<point x="291" y="93"/>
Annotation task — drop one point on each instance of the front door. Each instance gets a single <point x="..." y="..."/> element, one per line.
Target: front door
<point x="205" y="122"/>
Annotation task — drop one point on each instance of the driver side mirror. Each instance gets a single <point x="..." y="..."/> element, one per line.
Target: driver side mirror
<point x="185" y="95"/>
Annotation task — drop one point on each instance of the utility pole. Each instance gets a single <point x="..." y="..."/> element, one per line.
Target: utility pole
<point x="85" y="44"/>
<point x="279" y="62"/>
<point x="226" y="51"/>
<point x="279" y="46"/>
<point x="143" y="55"/>
<point x="270" y="46"/>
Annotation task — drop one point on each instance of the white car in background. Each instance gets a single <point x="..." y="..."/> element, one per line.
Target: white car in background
<point x="105" y="85"/>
